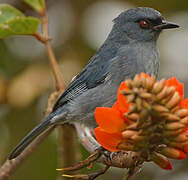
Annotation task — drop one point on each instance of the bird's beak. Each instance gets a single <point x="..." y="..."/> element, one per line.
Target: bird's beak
<point x="165" y="25"/>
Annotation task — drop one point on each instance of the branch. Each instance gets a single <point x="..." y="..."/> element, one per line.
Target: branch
<point x="67" y="152"/>
<point x="60" y="85"/>
<point x="68" y="149"/>
<point x="9" y="167"/>
<point x="121" y="159"/>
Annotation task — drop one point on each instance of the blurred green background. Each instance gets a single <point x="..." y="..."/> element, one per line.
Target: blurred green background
<point x="77" y="29"/>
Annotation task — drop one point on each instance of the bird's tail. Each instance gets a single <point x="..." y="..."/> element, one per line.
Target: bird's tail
<point x="31" y="136"/>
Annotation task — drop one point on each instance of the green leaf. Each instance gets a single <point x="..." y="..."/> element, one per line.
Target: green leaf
<point x="8" y="12"/>
<point x="19" y="26"/>
<point x="38" y="5"/>
<point x="14" y="22"/>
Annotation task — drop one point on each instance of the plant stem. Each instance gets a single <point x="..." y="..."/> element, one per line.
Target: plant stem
<point x="68" y="151"/>
<point x="69" y="144"/>
<point x="9" y="167"/>
<point x="60" y="85"/>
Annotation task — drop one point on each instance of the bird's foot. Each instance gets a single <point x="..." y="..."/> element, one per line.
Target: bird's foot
<point x="131" y="172"/>
<point x="88" y="162"/>
<point x="91" y="176"/>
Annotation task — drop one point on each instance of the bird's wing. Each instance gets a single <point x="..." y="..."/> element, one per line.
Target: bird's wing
<point x="92" y="75"/>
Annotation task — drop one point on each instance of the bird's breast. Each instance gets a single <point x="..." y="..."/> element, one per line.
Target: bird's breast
<point x="148" y="58"/>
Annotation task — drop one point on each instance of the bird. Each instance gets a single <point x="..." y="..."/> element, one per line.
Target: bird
<point x="129" y="49"/>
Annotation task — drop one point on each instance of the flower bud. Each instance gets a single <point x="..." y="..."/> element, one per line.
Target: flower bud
<point x="161" y="161"/>
<point x="174" y="100"/>
<point x="174" y="126"/>
<point x="158" y="86"/>
<point x="181" y="112"/>
<point x="173" y="153"/>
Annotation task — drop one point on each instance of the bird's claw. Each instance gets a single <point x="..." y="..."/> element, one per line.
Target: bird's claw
<point x="91" y="176"/>
<point x="88" y="162"/>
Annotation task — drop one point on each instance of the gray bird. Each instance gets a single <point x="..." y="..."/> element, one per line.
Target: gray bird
<point x="129" y="49"/>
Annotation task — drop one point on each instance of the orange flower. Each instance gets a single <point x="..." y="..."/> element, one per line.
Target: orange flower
<point x="121" y="103"/>
<point x="109" y="141"/>
<point x="111" y="122"/>
<point x="174" y="82"/>
<point x="123" y="128"/>
<point x="110" y="119"/>
<point x="184" y="103"/>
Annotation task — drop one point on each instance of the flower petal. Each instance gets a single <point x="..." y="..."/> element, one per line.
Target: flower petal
<point x="185" y="130"/>
<point x="122" y="104"/>
<point x="173" y="153"/>
<point x="174" y="82"/>
<point x="161" y="161"/>
<point x="115" y="106"/>
<point x="185" y="148"/>
<point x="109" y="119"/>
<point x="109" y="141"/>
<point x="184" y="103"/>
<point x="123" y="86"/>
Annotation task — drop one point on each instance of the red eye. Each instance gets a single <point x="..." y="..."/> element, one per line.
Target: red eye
<point x="144" y="24"/>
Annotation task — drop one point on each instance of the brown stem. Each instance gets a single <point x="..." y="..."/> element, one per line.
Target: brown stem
<point x="39" y="37"/>
<point x="10" y="166"/>
<point x="60" y="85"/>
<point x="68" y="151"/>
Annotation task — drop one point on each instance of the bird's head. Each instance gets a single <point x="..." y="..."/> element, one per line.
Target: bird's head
<point x="141" y="24"/>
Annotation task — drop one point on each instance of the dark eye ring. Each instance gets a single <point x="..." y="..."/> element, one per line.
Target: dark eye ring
<point x="144" y="24"/>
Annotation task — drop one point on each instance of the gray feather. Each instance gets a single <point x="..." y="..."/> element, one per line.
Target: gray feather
<point x="128" y="50"/>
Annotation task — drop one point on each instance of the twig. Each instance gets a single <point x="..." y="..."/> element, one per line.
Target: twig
<point x="68" y="153"/>
<point x="132" y="171"/>
<point x="68" y="145"/>
<point x="121" y="159"/>
<point x="60" y="85"/>
<point x="9" y="167"/>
